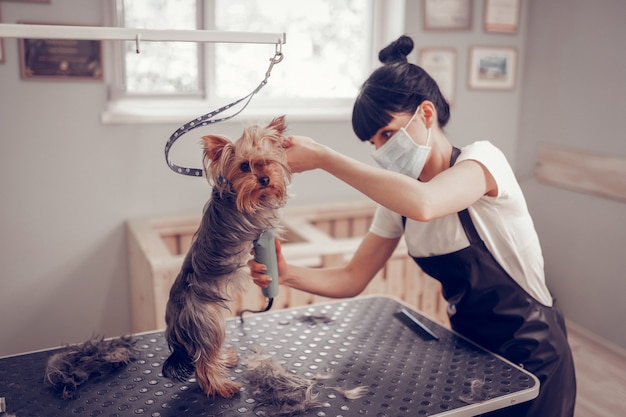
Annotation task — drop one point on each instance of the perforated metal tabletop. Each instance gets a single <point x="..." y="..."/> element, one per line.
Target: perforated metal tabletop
<point x="360" y="342"/>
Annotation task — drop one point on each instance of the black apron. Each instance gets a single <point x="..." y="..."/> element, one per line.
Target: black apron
<point x="489" y="307"/>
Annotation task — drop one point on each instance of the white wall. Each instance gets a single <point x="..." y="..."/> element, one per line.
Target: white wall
<point x="574" y="96"/>
<point x="68" y="183"/>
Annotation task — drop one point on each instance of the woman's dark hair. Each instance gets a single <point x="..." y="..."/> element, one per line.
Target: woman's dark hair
<point x="396" y="87"/>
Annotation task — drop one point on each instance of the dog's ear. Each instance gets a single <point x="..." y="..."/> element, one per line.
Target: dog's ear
<point x="278" y="124"/>
<point x="214" y="146"/>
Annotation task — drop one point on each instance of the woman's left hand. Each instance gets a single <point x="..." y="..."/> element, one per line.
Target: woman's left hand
<point x="304" y="153"/>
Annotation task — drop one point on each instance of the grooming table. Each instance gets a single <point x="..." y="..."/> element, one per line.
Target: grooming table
<point x="360" y="342"/>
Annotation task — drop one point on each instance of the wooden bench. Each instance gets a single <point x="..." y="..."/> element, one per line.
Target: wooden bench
<point x="316" y="236"/>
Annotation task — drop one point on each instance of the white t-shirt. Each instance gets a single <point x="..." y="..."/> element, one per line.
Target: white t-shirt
<point x="503" y="223"/>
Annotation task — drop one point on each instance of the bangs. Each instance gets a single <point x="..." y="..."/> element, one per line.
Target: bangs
<point x="380" y="96"/>
<point x="368" y="117"/>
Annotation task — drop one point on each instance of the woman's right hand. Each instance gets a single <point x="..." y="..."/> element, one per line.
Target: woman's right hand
<point x="258" y="271"/>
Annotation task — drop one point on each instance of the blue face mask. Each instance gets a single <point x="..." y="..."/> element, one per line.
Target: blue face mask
<point x="401" y="154"/>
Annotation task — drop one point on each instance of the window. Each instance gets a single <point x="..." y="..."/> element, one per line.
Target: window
<point x="327" y="53"/>
<point x="161" y="67"/>
<point x="327" y="49"/>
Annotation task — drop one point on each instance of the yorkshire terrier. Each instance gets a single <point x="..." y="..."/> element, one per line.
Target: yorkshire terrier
<point x="249" y="180"/>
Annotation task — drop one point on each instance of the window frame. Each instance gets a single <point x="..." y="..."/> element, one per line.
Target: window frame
<point x="123" y="108"/>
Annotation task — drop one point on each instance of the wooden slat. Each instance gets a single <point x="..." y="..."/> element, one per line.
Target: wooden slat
<point x="184" y="243"/>
<point x="299" y="298"/>
<point x="302" y="231"/>
<point x="331" y="211"/>
<point x="361" y="225"/>
<point x="431" y="297"/>
<point x="597" y="174"/>
<point x="141" y="278"/>
<point x="163" y="278"/>
<point x="251" y="298"/>
<point x="325" y="226"/>
<point x="282" y="301"/>
<point x="378" y="285"/>
<point x="176" y="225"/>
<point x="172" y="243"/>
<point x="414" y="284"/>
<point x="342" y="229"/>
<point x="396" y="278"/>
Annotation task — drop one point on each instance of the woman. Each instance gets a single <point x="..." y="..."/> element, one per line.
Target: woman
<point x="465" y="223"/>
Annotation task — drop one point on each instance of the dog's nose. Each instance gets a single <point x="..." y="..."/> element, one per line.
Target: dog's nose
<point x="264" y="181"/>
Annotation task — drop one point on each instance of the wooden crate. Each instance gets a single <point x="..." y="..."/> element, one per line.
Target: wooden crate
<point x="316" y="236"/>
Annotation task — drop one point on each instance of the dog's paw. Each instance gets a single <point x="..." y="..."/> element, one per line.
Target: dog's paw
<point x="227" y="388"/>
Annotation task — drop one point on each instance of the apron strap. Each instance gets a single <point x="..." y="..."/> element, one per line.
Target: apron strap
<point x="469" y="228"/>
<point x="455" y="154"/>
<point x="464" y="215"/>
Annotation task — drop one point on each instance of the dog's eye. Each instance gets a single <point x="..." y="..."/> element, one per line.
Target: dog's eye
<point x="245" y="166"/>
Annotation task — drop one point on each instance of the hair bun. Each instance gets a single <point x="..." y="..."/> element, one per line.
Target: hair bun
<point x="396" y="51"/>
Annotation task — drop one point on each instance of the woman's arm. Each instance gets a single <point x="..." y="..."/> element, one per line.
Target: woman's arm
<point x="336" y="282"/>
<point x="448" y="192"/>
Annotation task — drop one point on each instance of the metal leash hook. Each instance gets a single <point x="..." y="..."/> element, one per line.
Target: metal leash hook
<point x="277" y="58"/>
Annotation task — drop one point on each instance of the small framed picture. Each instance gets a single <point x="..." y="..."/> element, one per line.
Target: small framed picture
<point x="447" y="14"/>
<point x="492" y="68"/>
<point x="61" y="59"/>
<point x="440" y="64"/>
<point x="1" y="42"/>
<point x="502" y="16"/>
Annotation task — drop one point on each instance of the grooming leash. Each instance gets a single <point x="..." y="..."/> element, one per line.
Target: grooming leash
<point x="208" y="118"/>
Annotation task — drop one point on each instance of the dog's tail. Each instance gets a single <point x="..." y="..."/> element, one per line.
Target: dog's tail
<point x="179" y="366"/>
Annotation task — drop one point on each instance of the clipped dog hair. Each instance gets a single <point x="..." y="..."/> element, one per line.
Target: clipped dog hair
<point x="96" y="358"/>
<point x="284" y="392"/>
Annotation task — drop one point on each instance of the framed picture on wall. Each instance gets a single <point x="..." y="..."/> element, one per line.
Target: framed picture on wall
<point x="447" y="14"/>
<point x="440" y="63"/>
<point x="502" y="15"/>
<point x="492" y="68"/>
<point x="1" y="41"/>
<point x="61" y="59"/>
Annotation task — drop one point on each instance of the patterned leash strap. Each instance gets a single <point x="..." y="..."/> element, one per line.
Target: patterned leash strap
<point x="208" y="119"/>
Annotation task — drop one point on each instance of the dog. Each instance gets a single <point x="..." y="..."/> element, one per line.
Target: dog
<point x="249" y="180"/>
